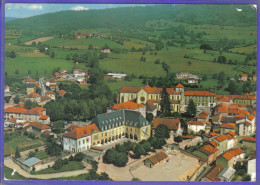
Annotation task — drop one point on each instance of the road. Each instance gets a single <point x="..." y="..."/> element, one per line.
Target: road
<point x="10" y="164"/>
<point x="42" y="86"/>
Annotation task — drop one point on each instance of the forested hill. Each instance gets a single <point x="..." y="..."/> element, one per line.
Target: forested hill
<point x="136" y="17"/>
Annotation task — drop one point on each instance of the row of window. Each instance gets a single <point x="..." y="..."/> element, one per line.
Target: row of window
<point x="114" y="125"/>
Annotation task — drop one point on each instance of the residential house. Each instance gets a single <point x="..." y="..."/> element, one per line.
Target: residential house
<point x="218" y="173"/>
<point x="208" y="152"/>
<point x="227" y="127"/>
<point x="36" y="127"/>
<point x="44" y="100"/>
<point x="30" y="164"/>
<point x="231" y="157"/>
<point x="33" y="97"/>
<point x="61" y="92"/>
<point x="243" y="77"/>
<point x="79" y="138"/>
<point x="51" y="95"/>
<point x="196" y="126"/>
<point x="251" y="169"/>
<point x="156" y="159"/>
<point x="203" y="116"/>
<point x="105" y="50"/>
<point x="174" y="125"/>
<point x="116" y="75"/>
<point x="30" y="88"/>
<point x="222" y="141"/>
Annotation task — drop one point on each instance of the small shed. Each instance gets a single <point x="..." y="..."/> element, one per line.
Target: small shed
<point x="155" y="159"/>
<point x="28" y="164"/>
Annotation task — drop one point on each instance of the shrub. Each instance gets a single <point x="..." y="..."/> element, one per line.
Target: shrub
<point x="79" y="157"/>
<point x="58" y="164"/>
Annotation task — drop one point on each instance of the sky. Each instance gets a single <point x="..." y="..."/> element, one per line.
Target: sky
<point x="22" y="10"/>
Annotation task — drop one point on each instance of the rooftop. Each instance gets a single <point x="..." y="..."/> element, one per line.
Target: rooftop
<point x="31" y="161"/>
<point x="172" y="124"/>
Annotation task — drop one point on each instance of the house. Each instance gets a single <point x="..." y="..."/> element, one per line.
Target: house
<point x="203" y="116"/>
<point x="207" y="152"/>
<point x="249" y="142"/>
<point x="45" y="119"/>
<point x="196" y="126"/>
<point x="30" y="88"/>
<point x="29" y="81"/>
<point x="243" y="77"/>
<point x="224" y="99"/>
<point x="151" y="108"/>
<point x="105" y="50"/>
<point x="251" y="168"/>
<point x="51" y="95"/>
<point x="183" y="75"/>
<point x="218" y="173"/>
<point x="227" y="127"/>
<point x="174" y="125"/>
<point x="61" y="92"/>
<point x="79" y="138"/>
<point x="222" y="141"/>
<point x="129" y="105"/>
<point x="44" y="100"/>
<point x="156" y="159"/>
<point x="70" y="128"/>
<point x="31" y="163"/>
<point x="231" y="157"/>
<point x="33" y="97"/>
<point x="193" y="80"/>
<point x="36" y="127"/>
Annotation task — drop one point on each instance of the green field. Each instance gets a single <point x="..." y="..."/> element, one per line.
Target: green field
<point x="117" y="84"/>
<point x="23" y="143"/>
<point x="38" y="66"/>
<point x="72" y="165"/>
<point x="41" y="155"/>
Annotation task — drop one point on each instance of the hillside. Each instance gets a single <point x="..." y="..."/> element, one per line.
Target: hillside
<point x="131" y="18"/>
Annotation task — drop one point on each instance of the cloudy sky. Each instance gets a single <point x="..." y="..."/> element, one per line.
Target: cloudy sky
<point x="21" y="10"/>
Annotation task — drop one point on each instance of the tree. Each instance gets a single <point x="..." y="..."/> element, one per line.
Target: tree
<point x="104" y="176"/>
<point x="52" y="54"/>
<point x="139" y="150"/>
<point x="234" y="88"/>
<point x="31" y="154"/>
<point x="146" y="145"/>
<point x="7" y="99"/>
<point x="149" y="117"/>
<point x="71" y="158"/>
<point x="28" y="104"/>
<point x="16" y="99"/>
<point x="90" y="46"/>
<point x="192" y="108"/>
<point x="165" y="67"/>
<point x="165" y="103"/>
<point x="68" y="57"/>
<point x="12" y="54"/>
<point x="94" y="165"/>
<point x="58" y="164"/>
<point x="221" y="79"/>
<point x="121" y="159"/>
<point x="246" y="178"/>
<point x="17" y="153"/>
<point x="79" y="157"/>
<point x="189" y="63"/>
<point x="222" y="60"/>
<point x="162" y="131"/>
<point x="178" y="139"/>
<point x="58" y="126"/>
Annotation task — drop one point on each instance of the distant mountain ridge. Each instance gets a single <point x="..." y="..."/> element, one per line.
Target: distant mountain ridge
<point x="136" y="17"/>
<point x="7" y="19"/>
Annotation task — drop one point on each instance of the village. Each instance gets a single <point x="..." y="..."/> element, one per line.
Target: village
<point x="195" y="135"/>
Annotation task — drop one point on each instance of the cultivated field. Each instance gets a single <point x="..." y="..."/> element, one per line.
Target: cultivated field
<point x="42" y="39"/>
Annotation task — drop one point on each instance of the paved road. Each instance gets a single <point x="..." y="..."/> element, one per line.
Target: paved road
<point x="10" y="164"/>
<point x="42" y="86"/>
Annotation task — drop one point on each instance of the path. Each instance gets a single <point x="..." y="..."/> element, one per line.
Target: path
<point x="10" y="164"/>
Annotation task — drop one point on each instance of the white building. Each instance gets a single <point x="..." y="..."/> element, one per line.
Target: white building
<point x="78" y="139"/>
<point x="117" y="75"/>
<point x="251" y="169"/>
<point x="196" y="126"/>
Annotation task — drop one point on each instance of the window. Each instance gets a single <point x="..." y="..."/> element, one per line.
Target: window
<point x="83" y="141"/>
<point x="79" y="142"/>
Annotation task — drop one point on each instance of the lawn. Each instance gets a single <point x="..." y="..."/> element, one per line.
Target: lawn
<point x="73" y="165"/>
<point x="39" y="66"/>
<point x="41" y="155"/>
<point x="23" y="142"/>
<point x="16" y="176"/>
<point x="117" y="84"/>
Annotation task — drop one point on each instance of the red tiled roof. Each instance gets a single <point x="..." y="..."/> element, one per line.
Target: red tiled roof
<point x="199" y="93"/>
<point x="172" y="124"/>
<point x="232" y="133"/>
<point x="36" y="111"/>
<point x="51" y="92"/>
<point x="150" y="106"/>
<point x="221" y="138"/>
<point x="29" y="80"/>
<point x="127" y="105"/>
<point x="40" y="125"/>
<point x="249" y="139"/>
<point x="196" y="123"/>
<point x="213" y="174"/>
<point x="71" y="127"/>
<point x="232" y="153"/>
<point x="243" y="75"/>
<point x="46" y="132"/>
<point x="254" y="113"/>
<point x="208" y="149"/>
<point x="246" y="97"/>
<point x="25" y="123"/>
<point x="44" y="117"/>
<point x="224" y="99"/>
<point x="13" y="119"/>
<point x="188" y="137"/>
<point x="148" y="89"/>
<point x="21" y="105"/>
<point x="222" y="108"/>
<point x="179" y="85"/>
<point x="228" y="126"/>
<point x="158" y="157"/>
<point x="80" y="132"/>
<point x="184" y="73"/>
<point x="96" y="148"/>
<point x="247" y="123"/>
<point x="16" y="110"/>
<point x="213" y="143"/>
<point x="32" y="95"/>
<point x="213" y="134"/>
<point x="250" y="117"/>
<point x="203" y="115"/>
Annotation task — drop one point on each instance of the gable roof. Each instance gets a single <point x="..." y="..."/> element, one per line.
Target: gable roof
<point x="150" y="106"/>
<point x="158" y="157"/>
<point x="179" y="85"/>
<point x="203" y="115"/>
<point x="221" y="138"/>
<point x="127" y="105"/>
<point x="16" y="110"/>
<point x="31" y="161"/>
<point x="232" y="153"/>
<point x="252" y="139"/>
<point x="36" y="111"/>
<point x="44" y="117"/>
<point x="213" y="143"/>
<point x="228" y="126"/>
<point x="32" y="95"/>
<point x="80" y="132"/>
<point x="148" y="89"/>
<point x="196" y="123"/>
<point x="39" y="125"/>
<point x="172" y="124"/>
<point x="208" y="149"/>
<point x="199" y="93"/>
<point x="214" y="172"/>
